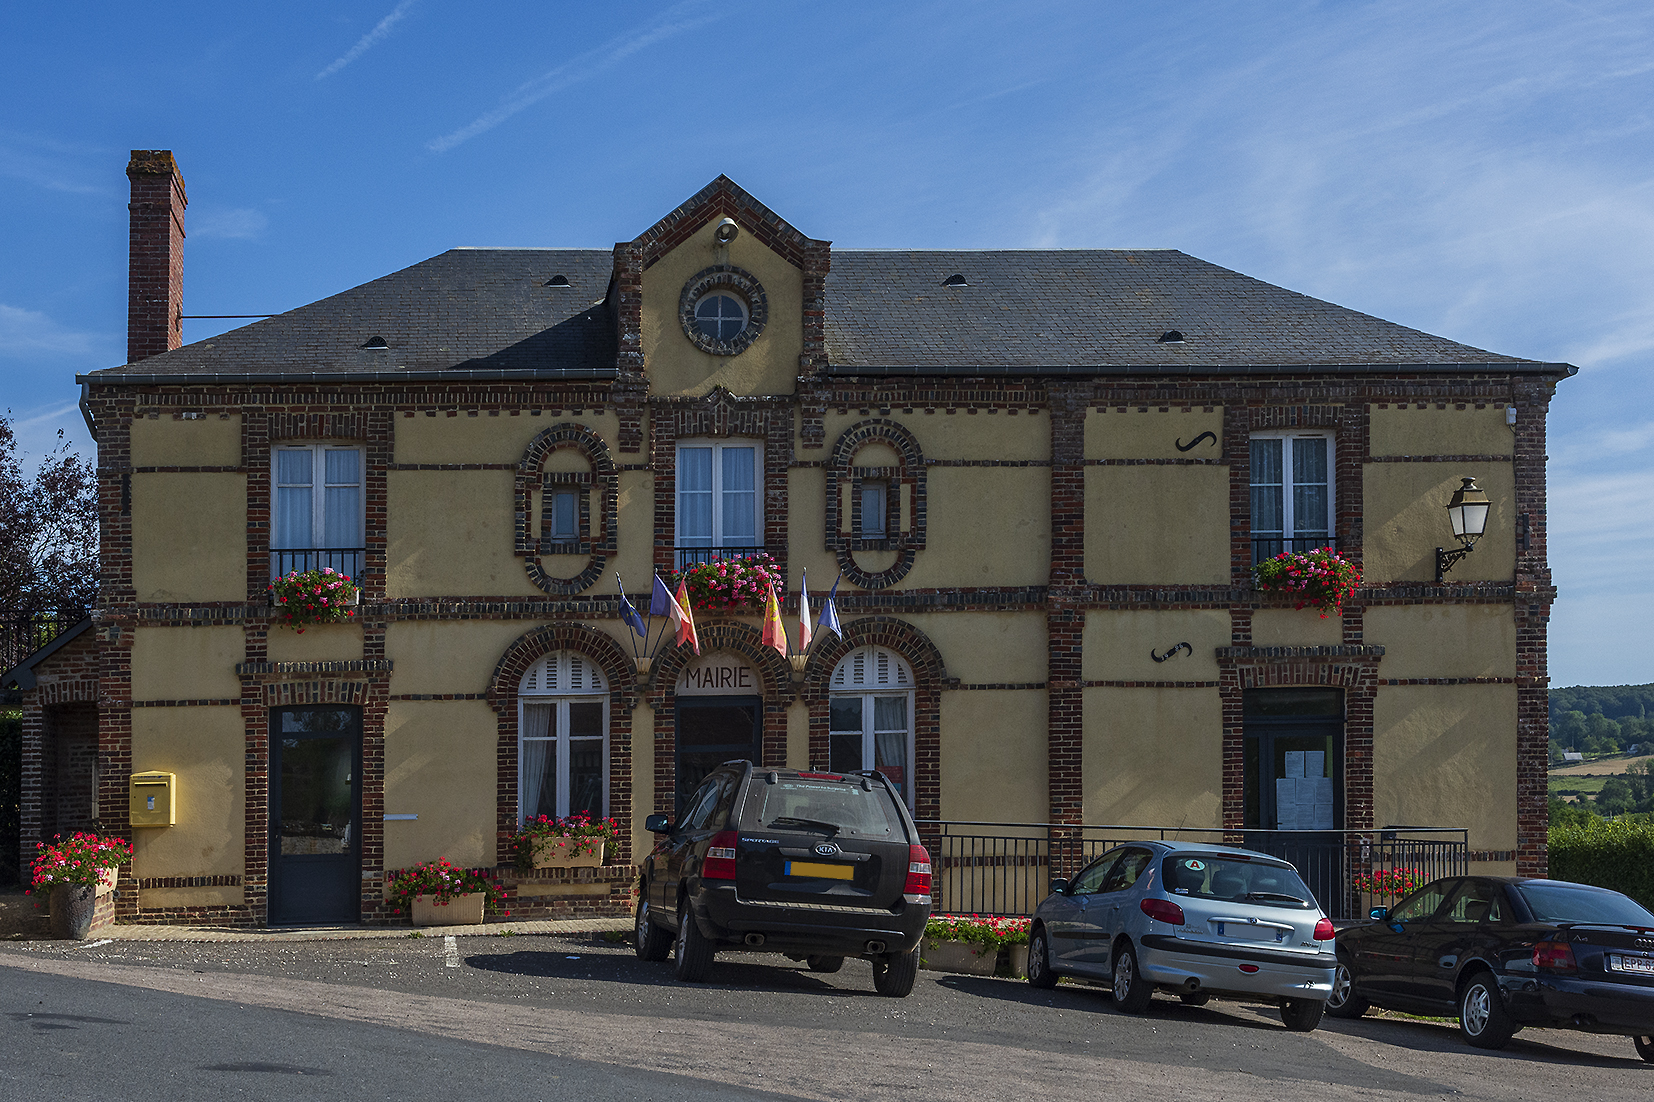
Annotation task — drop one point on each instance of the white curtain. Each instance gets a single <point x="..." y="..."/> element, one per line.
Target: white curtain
<point x="537" y="760"/>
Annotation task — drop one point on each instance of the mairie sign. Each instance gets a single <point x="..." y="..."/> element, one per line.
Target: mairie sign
<point x="719" y="675"/>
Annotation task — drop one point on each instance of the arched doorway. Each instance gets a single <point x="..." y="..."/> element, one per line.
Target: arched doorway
<point x="720" y="717"/>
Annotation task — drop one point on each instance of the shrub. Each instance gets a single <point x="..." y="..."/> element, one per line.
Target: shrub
<point x="1610" y="853"/>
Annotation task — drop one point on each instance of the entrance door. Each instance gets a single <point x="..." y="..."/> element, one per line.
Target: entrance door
<point x="713" y="730"/>
<point x="315" y="815"/>
<point x="1294" y="776"/>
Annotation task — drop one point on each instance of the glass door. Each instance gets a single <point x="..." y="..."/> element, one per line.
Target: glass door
<point x="712" y="730"/>
<point x="1294" y="782"/>
<point x="315" y="815"/>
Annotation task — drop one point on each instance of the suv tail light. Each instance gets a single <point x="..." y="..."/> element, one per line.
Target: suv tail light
<point x="1554" y="956"/>
<point x="1324" y="930"/>
<point x="917" y="888"/>
<point x="1163" y="910"/>
<point x="720" y="857"/>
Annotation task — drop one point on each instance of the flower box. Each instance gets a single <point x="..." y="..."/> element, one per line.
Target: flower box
<point x="462" y="910"/>
<point x="970" y="958"/>
<point x="554" y="853"/>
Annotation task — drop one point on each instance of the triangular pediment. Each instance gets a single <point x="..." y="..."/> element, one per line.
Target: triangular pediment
<point x="723" y="198"/>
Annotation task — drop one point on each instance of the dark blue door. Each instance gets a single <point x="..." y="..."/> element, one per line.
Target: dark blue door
<point x="315" y="815"/>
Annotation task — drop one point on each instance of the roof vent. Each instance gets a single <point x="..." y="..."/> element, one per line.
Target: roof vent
<point x="955" y="280"/>
<point x="376" y="343"/>
<point x="1170" y="336"/>
<point x="558" y="281"/>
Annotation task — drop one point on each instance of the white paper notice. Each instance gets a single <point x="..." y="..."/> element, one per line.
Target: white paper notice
<point x="1294" y="764"/>
<point x="1315" y="763"/>
<point x="1286" y="803"/>
<point x="1319" y="804"/>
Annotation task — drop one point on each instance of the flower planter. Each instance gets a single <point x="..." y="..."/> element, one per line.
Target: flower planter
<point x="72" y="909"/>
<point x="1017" y="956"/>
<point x="554" y="853"/>
<point x="959" y="956"/>
<point x="462" y="910"/>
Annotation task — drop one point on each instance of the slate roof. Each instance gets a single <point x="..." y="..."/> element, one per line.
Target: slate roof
<point x="491" y="313"/>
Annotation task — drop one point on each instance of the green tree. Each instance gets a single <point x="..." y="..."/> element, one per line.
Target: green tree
<point x="48" y="529"/>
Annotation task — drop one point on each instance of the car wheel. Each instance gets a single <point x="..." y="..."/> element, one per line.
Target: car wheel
<point x="1645" y="1048"/>
<point x="693" y="949"/>
<point x="1344" y="1002"/>
<point x="1482" y="1017"/>
<point x="1039" y="961"/>
<point x="1195" y="998"/>
<point x="824" y="964"/>
<point x="893" y="975"/>
<point x="649" y="941"/>
<point x="1302" y="1015"/>
<point x="1131" y="991"/>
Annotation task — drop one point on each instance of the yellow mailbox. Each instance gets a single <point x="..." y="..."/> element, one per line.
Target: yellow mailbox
<point x="153" y="804"/>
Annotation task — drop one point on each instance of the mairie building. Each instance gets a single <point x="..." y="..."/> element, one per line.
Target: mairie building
<point x="1039" y="478"/>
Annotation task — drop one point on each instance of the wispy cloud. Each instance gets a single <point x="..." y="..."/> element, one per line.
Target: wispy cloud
<point x="238" y="222"/>
<point x="31" y="333"/>
<point x="381" y="30"/>
<point x="46" y="163"/>
<point x="674" y="21"/>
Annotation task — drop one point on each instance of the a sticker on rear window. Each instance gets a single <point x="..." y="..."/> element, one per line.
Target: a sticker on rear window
<point x="1194" y="865"/>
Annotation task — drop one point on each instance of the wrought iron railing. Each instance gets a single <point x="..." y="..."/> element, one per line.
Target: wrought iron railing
<point x="346" y="560"/>
<point x="1006" y="868"/>
<point x="1267" y="547"/>
<point x="25" y="630"/>
<point x="691" y="556"/>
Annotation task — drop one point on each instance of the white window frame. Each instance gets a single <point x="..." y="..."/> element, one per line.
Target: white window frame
<point x="719" y="538"/>
<point x="1290" y="526"/>
<point x="883" y="673"/>
<point x="558" y="680"/>
<point x="318" y="486"/>
<point x="874" y="522"/>
<point x="572" y="532"/>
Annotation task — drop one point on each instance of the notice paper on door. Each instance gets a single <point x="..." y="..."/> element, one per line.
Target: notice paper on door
<point x="1303" y="803"/>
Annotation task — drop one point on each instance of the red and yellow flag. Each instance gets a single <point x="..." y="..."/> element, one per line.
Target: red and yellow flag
<point x="775" y="635"/>
<point x="685" y="619"/>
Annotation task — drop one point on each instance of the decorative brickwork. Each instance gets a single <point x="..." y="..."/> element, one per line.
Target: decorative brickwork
<point x="531" y="479"/>
<point x="905" y="512"/>
<point x="745" y="286"/>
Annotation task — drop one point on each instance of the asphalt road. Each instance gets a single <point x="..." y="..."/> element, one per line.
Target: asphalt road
<point x="542" y="1018"/>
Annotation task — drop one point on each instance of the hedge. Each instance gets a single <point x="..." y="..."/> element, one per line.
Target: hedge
<point x="1610" y="853"/>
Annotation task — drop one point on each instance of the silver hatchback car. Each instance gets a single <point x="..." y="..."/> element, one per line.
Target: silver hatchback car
<point x="1193" y="921"/>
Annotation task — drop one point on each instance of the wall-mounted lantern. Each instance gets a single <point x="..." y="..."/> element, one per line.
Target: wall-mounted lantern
<point x="1468" y="513"/>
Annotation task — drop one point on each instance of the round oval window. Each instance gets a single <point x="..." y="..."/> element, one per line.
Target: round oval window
<point x="720" y="317"/>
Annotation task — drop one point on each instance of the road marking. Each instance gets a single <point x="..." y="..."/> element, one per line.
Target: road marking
<point x="450" y="951"/>
<point x="92" y="944"/>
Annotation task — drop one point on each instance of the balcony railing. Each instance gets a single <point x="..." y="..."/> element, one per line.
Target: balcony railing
<point x="25" y="630"/>
<point x="692" y="556"/>
<point x="1006" y="868"/>
<point x="345" y="560"/>
<point x="1267" y="547"/>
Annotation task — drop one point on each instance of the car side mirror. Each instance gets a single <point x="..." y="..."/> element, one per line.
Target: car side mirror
<point x="658" y="824"/>
<point x="1059" y="884"/>
<point x="1377" y="913"/>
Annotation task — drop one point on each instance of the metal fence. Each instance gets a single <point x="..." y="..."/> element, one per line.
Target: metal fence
<point x="345" y="560"/>
<point x="694" y="556"/>
<point x="25" y="630"/>
<point x="1006" y="868"/>
<point x="1267" y="547"/>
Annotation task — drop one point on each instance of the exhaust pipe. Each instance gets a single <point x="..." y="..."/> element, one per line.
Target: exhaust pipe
<point x="1189" y="986"/>
<point x="875" y="947"/>
<point x="754" y="940"/>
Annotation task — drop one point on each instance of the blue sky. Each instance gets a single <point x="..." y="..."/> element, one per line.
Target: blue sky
<point x="1479" y="170"/>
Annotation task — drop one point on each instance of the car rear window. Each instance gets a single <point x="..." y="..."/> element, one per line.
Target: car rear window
<point x="1229" y="880"/>
<point x="800" y="803"/>
<point x="1571" y="903"/>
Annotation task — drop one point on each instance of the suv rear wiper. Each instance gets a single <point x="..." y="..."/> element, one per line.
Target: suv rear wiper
<point x="1277" y="895"/>
<point x="788" y="820"/>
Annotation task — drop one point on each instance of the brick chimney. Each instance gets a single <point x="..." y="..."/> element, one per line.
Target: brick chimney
<point x="155" y="270"/>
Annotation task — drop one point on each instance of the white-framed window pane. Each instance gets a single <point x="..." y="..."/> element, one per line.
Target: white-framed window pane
<point x="586" y="776"/>
<point x="586" y="719"/>
<point x="1268" y="498"/>
<point x="872" y="508"/>
<point x="293" y="467"/>
<point x="342" y="523"/>
<point x="343" y="466"/>
<point x="695" y="497"/>
<point x="890" y="758"/>
<point x="565" y="515"/>
<point x="890" y="713"/>
<point x="1309" y="486"/>
<point x="740" y="494"/>
<point x="293" y="512"/>
<point x="844" y="714"/>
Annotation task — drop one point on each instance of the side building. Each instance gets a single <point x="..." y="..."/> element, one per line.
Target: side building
<point x="1042" y="477"/>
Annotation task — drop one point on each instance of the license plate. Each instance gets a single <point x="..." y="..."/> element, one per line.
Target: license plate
<point x="1644" y="965"/>
<point x="1245" y="931"/>
<point x="821" y="869"/>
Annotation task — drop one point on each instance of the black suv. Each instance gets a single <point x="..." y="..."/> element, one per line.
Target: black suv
<point x="819" y="866"/>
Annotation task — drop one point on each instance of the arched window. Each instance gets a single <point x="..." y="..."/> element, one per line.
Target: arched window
<point x="870" y="717"/>
<point x="563" y="738"/>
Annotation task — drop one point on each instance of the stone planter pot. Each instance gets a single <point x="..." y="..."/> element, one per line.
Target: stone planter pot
<point x="462" y="910"/>
<point x="1016" y="957"/>
<point x="72" y="908"/>
<point x="552" y="853"/>
<point x="958" y="956"/>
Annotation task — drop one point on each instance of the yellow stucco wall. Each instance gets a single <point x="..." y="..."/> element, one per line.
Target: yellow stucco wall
<point x="189" y="537"/>
<point x="1300" y="627"/>
<point x="1445" y="756"/>
<point x="1023" y="435"/>
<point x="994" y="755"/>
<point x="643" y="777"/>
<point x="985" y="648"/>
<point x="806" y="514"/>
<point x="1433" y="431"/>
<point x="450" y="533"/>
<point x="440" y="765"/>
<point x="213" y="440"/>
<point x="1152" y="434"/>
<point x="798" y="735"/>
<point x="489" y="436"/>
<point x="675" y="366"/>
<point x="635" y="536"/>
<point x="325" y="643"/>
<point x="448" y="656"/>
<point x="186" y="663"/>
<point x="1153" y="757"/>
<point x="987" y="526"/>
<point x="1444" y="640"/>
<point x="1117" y="644"/>
<point x="206" y="748"/>
<point x="1406" y="520"/>
<point x="1156" y="525"/>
